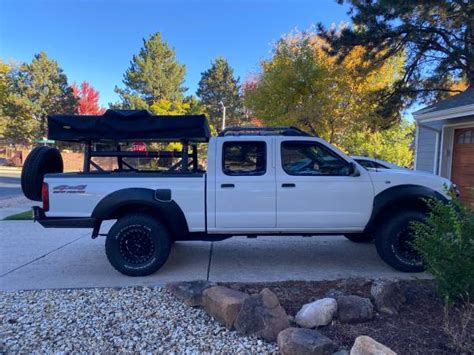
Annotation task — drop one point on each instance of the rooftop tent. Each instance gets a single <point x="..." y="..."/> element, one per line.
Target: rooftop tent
<point x="128" y="125"/>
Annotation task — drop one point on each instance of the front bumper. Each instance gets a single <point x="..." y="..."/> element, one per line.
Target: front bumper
<point x="62" y="222"/>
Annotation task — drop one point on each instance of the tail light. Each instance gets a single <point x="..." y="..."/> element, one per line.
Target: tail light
<point x="45" y="196"/>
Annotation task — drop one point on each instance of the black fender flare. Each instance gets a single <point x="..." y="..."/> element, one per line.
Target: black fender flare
<point x="399" y="196"/>
<point x="159" y="202"/>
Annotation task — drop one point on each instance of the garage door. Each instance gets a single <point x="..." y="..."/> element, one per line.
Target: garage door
<point x="463" y="163"/>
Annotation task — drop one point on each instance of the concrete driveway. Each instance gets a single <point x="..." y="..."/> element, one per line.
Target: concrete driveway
<point x="32" y="257"/>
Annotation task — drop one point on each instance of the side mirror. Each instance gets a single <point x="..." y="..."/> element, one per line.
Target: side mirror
<point x="353" y="169"/>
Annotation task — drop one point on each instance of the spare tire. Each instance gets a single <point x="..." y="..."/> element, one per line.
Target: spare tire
<point x="41" y="160"/>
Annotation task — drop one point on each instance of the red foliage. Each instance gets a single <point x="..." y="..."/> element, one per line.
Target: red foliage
<point x="250" y="84"/>
<point x="88" y="99"/>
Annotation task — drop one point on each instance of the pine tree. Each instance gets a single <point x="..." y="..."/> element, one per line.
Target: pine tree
<point x="154" y="74"/>
<point x="219" y="86"/>
<point x="39" y="89"/>
<point x="437" y="37"/>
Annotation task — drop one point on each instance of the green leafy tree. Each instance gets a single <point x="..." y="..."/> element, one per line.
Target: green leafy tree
<point x="189" y="106"/>
<point x="436" y="35"/>
<point x="393" y="144"/>
<point x="4" y="94"/>
<point x="304" y="86"/>
<point x="39" y="88"/>
<point x="218" y="87"/>
<point x="154" y="74"/>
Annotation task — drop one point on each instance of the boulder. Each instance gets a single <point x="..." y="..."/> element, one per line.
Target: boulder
<point x="316" y="313"/>
<point x="262" y="315"/>
<point x="365" y="345"/>
<point x="341" y="352"/>
<point x="354" y="309"/>
<point x="388" y="296"/>
<point x="223" y="304"/>
<point x="189" y="292"/>
<point x="302" y="341"/>
<point x="333" y="293"/>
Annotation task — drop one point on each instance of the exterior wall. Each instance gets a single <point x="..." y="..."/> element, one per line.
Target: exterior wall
<point x="427" y="145"/>
<point x="73" y="161"/>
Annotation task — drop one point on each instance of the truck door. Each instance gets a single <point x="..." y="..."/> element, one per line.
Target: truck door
<point x="245" y="184"/>
<point x="316" y="190"/>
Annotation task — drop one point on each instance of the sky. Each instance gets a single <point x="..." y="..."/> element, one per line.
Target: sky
<point x="94" y="40"/>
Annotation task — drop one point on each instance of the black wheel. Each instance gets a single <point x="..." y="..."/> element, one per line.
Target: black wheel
<point x="41" y="160"/>
<point x="359" y="237"/>
<point x="138" y="245"/>
<point x="394" y="242"/>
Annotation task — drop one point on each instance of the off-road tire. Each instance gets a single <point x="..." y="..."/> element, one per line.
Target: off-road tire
<point x="138" y="244"/>
<point x="359" y="237"/>
<point x="388" y="238"/>
<point x="41" y="161"/>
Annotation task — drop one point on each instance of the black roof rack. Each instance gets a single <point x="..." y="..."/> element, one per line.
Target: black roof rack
<point x="264" y="131"/>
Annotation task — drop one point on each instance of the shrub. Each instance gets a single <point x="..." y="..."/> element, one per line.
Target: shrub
<point x="445" y="240"/>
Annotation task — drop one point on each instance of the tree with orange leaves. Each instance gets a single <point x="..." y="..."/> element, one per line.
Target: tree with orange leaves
<point x="303" y="85"/>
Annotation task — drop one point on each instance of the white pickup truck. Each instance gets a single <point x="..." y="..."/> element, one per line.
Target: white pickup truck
<point x="258" y="181"/>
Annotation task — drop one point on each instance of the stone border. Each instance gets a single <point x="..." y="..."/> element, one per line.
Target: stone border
<point x="262" y="316"/>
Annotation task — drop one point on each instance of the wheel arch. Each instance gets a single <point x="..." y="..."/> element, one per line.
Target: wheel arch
<point x="156" y="202"/>
<point x="397" y="198"/>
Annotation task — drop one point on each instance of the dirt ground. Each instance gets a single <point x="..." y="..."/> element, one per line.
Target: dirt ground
<point x="418" y="329"/>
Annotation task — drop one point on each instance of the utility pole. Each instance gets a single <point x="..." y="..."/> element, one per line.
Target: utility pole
<point x="223" y="114"/>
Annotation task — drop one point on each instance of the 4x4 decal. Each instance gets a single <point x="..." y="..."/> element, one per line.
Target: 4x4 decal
<point x="77" y="189"/>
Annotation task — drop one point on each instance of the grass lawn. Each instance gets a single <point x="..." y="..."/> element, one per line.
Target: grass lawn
<point x="22" y="216"/>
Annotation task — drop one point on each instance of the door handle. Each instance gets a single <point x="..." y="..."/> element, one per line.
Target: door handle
<point x="288" y="185"/>
<point x="227" y="186"/>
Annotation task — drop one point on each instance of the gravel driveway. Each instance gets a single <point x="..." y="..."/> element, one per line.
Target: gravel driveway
<point x="136" y="319"/>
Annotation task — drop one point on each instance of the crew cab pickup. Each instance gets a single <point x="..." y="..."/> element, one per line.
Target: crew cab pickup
<point x="258" y="181"/>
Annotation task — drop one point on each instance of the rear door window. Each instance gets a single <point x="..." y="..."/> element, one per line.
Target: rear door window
<point x="244" y="158"/>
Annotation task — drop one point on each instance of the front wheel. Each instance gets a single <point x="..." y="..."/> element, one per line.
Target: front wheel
<point x="394" y="242"/>
<point x="138" y="245"/>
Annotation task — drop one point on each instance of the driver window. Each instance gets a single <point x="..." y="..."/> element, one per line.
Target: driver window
<point x="311" y="159"/>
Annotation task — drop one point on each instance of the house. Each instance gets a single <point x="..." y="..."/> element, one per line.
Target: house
<point x="445" y="141"/>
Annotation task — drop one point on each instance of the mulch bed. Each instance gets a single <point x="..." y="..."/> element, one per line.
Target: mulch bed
<point x="418" y="329"/>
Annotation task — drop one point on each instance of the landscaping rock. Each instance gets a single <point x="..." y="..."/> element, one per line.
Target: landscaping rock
<point x="262" y="315"/>
<point x="301" y="341"/>
<point x="333" y="293"/>
<point x="388" y="296"/>
<point x="189" y="292"/>
<point x="223" y="304"/>
<point x="354" y="309"/>
<point x="316" y="313"/>
<point x="365" y="345"/>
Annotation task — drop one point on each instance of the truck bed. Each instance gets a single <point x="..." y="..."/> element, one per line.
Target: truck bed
<point x="77" y="194"/>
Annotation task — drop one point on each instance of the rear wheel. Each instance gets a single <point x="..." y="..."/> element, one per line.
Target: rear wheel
<point x="394" y="242"/>
<point x="138" y="245"/>
<point x="359" y="237"/>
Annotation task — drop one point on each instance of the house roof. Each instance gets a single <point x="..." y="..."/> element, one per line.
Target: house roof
<point x="455" y="106"/>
